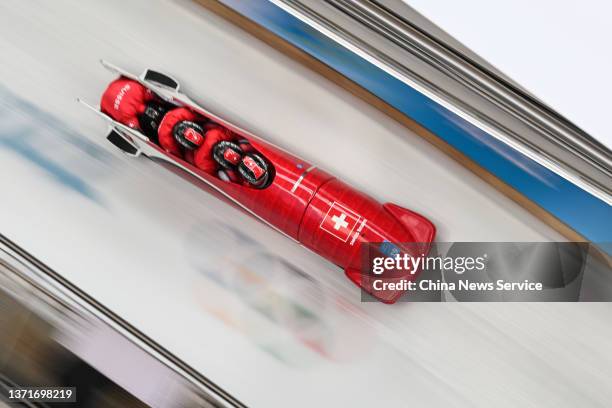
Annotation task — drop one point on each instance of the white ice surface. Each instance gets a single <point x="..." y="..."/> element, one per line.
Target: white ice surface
<point x="124" y="235"/>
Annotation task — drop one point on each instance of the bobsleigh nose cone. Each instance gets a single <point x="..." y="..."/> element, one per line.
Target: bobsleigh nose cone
<point x="422" y="230"/>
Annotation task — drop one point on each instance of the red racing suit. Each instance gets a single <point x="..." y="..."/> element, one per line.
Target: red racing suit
<point x="202" y="157"/>
<point x="124" y="100"/>
<point x="166" y="137"/>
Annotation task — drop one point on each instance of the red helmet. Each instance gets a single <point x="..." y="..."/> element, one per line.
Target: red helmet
<point x="227" y="154"/>
<point x="254" y="169"/>
<point x="188" y="134"/>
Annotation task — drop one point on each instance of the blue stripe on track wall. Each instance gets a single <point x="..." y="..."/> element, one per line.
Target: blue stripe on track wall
<point x="581" y="211"/>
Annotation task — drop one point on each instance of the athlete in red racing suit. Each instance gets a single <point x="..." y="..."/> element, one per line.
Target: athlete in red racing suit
<point x="125" y="101"/>
<point x="183" y="133"/>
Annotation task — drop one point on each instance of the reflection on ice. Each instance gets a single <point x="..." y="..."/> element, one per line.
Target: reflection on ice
<point x="69" y="158"/>
<point x="279" y="307"/>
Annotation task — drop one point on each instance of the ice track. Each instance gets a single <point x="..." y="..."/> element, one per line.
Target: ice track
<point x="151" y="246"/>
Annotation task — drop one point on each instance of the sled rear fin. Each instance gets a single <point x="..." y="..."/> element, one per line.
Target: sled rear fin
<point x="147" y="78"/>
<point x="117" y="70"/>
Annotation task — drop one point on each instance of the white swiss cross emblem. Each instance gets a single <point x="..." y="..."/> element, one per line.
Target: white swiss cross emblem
<point x="340" y="222"/>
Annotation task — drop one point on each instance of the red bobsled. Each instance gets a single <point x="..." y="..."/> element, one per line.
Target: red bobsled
<point x="299" y="200"/>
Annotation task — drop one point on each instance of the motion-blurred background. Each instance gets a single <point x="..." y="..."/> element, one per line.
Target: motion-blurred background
<point x="217" y="303"/>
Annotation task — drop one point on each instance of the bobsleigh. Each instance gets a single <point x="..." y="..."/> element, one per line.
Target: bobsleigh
<point x="299" y="200"/>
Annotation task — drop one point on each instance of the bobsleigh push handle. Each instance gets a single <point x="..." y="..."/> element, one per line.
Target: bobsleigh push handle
<point x="160" y="79"/>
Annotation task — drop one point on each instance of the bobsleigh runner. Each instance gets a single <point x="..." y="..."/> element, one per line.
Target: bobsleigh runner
<point x="299" y="200"/>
